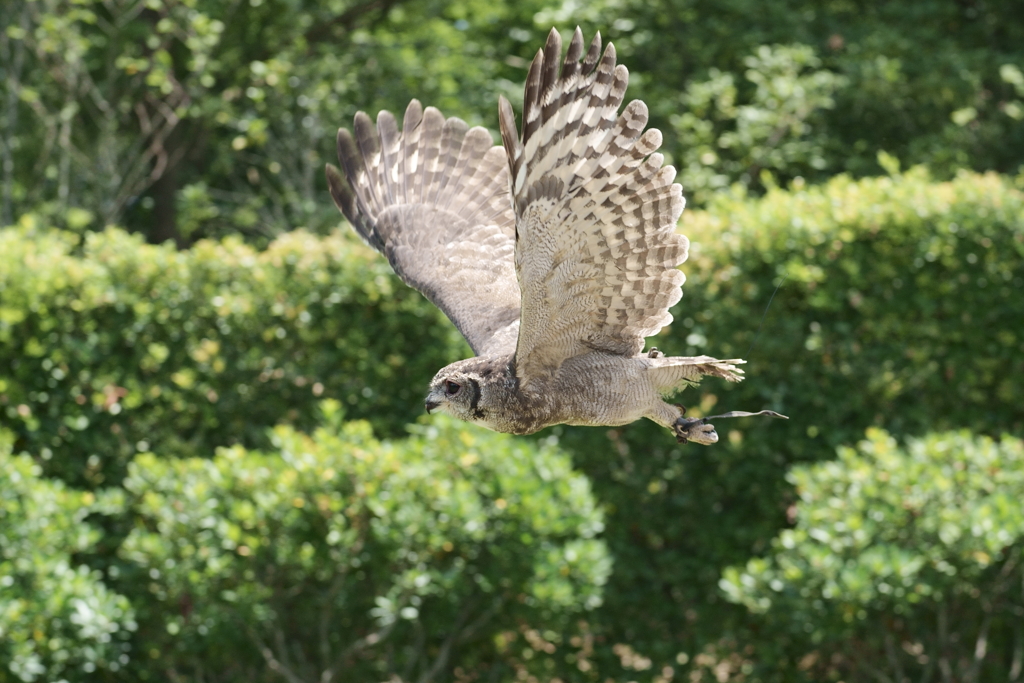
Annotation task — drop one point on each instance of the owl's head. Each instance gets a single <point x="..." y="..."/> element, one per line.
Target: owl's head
<point x="462" y="390"/>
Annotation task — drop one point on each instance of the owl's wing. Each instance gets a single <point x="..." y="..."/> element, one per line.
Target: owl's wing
<point x="434" y="199"/>
<point x="596" y="248"/>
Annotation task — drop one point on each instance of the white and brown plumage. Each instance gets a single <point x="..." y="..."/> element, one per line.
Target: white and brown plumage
<point x="554" y="255"/>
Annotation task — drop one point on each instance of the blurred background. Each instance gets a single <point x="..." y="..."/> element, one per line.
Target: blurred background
<point x="213" y="462"/>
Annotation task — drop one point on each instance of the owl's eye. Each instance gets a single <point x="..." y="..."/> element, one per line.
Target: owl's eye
<point x="451" y="388"/>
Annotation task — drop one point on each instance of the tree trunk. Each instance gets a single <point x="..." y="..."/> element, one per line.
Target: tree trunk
<point x="165" y="196"/>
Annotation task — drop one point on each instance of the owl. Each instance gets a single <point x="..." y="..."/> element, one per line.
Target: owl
<point x="554" y="254"/>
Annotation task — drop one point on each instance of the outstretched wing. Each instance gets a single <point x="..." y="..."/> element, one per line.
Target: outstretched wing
<point x="596" y="248"/>
<point x="434" y="199"/>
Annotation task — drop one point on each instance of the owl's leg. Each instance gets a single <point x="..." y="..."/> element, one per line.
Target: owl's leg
<point x="686" y="429"/>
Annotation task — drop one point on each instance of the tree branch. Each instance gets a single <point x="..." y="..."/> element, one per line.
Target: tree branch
<point x="328" y="674"/>
<point x="15" y="56"/>
<point x="980" y="646"/>
<point x="446" y="647"/>
<point x="1018" y="654"/>
<point x="894" y="656"/>
<point x="268" y="655"/>
<point x="944" y="667"/>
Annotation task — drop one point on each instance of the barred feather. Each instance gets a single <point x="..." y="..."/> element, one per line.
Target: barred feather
<point x="433" y="197"/>
<point x="596" y="246"/>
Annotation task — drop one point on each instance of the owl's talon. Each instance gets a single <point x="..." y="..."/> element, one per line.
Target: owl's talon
<point x="694" y="429"/>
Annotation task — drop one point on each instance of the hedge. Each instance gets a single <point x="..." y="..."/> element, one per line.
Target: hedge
<point x="58" y="620"/>
<point x="899" y="308"/>
<point x="901" y="303"/>
<point x="112" y="346"/>
<point x="338" y="557"/>
<point x="902" y="561"/>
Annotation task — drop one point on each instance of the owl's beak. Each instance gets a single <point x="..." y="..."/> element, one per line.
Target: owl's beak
<point x="431" y="405"/>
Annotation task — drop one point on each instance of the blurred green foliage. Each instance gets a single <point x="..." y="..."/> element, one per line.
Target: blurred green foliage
<point x="900" y="309"/>
<point x="900" y="294"/>
<point x="58" y="620"/>
<point x="924" y="80"/>
<point x="779" y="132"/>
<point x="184" y="119"/>
<point x="338" y="557"/>
<point x="111" y="347"/>
<point x="902" y="562"/>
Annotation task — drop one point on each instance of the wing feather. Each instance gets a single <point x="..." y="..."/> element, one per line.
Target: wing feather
<point x="433" y="144"/>
<point x="452" y="134"/>
<point x="433" y="197"/>
<point x="412" y="147"/>
<point x="596" y="247"/>
<point x="387" y="169"/>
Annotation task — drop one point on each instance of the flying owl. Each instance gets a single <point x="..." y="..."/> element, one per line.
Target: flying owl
<point x="555" y="255"/>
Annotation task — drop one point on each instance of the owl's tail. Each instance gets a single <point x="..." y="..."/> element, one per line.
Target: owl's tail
<point x="672" y="374"/>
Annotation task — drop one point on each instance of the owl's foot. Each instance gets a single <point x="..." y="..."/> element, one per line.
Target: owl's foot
<point x="694" y="429"/>
<point x="697" y="430"/>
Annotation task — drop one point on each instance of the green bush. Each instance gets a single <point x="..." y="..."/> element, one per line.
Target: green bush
<point x="928" y="80"/>
<point x="113" y="346"/>
<point x="903" y="561"/>
<point x="901" y="308"/>
<point x="724" y="140"/>
<point x="339" y="557"/>
<point x="57" y="618"/>
<point x="900" y="305"/>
